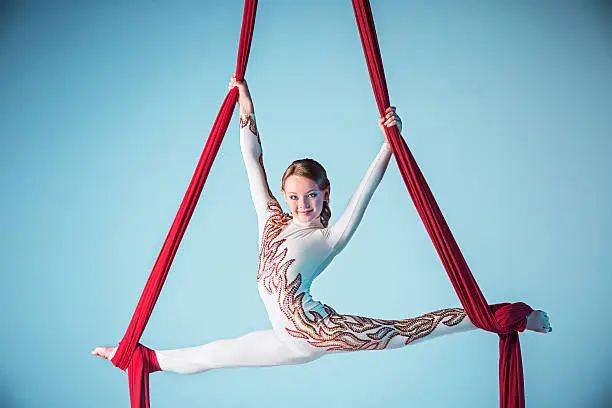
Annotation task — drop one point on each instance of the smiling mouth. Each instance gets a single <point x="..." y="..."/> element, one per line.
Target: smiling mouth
<point x="304" y="212"/>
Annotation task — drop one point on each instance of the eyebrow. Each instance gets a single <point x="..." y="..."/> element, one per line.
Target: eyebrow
<point x="293" y="192"/>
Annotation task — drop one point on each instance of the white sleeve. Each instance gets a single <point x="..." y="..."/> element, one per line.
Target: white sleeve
<point x="252" y="154"/>
<point x="342" y="230"/>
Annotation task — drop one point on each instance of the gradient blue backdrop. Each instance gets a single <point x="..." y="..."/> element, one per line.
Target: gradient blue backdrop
<point x="105" y="107"/>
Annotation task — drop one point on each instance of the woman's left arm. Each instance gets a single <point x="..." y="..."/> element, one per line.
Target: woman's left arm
<point x="342" y="230"/>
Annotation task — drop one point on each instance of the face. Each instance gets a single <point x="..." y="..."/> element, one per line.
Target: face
<point x="304" y="198"/>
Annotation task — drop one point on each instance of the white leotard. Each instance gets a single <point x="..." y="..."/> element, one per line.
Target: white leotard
<point x="306" y="248"/>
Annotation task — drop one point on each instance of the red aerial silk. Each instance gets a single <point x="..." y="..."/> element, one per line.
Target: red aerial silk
<point x="504" y="319"/>
<point x="131" y="355"/>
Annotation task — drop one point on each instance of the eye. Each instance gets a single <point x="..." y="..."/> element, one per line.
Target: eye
<point x="312" y="195"/>
<point x="292" y="197"/>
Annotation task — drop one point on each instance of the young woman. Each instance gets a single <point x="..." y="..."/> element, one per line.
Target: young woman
<point x="295" y="248"/>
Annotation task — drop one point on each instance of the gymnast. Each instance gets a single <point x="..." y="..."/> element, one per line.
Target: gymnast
<point x="295" y="248"/>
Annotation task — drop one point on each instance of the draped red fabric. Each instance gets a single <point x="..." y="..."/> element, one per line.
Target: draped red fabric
<point x="505" y="319"/>
<point x="131" y="355"/>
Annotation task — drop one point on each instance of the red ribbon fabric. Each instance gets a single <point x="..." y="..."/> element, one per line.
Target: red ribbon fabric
<point x="137" y="359"/>
<point x="505" y="319"/>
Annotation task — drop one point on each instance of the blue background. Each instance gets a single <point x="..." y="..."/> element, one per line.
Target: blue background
<point x="105" y="108"/>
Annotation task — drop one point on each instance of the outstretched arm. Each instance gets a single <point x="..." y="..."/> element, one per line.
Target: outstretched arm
<point x="342" y="230"/>
<point x="252" y="153"/>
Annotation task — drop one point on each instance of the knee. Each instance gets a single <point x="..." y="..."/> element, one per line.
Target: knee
<point x="303" y="358"/>
<point x="302" y="352"/>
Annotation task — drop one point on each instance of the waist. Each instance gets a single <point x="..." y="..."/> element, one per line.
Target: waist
<point x="284" y="305"/>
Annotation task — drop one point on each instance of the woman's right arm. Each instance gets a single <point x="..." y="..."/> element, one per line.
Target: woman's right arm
<point x="252" y="152"/>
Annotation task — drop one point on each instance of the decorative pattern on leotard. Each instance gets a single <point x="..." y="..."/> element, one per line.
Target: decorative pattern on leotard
<point x="272" y="264"/>
<point x="250" y="121"/>
<point x="336" y="332"/>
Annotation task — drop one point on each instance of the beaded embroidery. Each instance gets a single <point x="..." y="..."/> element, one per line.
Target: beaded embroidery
<point x="250" y="121"/>
<point x="272" y="264"/>
<point x="336" y="332"/>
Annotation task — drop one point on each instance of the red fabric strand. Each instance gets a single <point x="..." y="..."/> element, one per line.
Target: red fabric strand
<point x="504" y="319"/>
<point x="130" y="355"/>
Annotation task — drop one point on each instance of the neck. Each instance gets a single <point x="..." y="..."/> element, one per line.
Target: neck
<point x="314" y="221"/>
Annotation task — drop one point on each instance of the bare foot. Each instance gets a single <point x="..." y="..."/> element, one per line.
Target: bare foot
<point x="104" y="352"/>
<point x="538" y="321"/>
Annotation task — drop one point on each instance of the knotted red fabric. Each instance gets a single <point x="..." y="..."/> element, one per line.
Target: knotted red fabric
<point x="137" y="359"/>
<point x="505" y="319"/>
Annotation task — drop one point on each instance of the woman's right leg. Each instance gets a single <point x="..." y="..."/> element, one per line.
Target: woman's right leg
<point x="344" y="333"/>
<point x="260" y="348"/>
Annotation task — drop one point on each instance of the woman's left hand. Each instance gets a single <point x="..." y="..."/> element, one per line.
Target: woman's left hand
<point x="390" y="119"/>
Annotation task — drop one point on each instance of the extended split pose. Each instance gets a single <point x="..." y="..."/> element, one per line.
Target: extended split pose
<point x="294" y="249"/>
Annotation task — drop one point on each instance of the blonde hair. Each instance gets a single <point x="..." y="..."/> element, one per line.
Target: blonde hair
<point x="313" y="170"/>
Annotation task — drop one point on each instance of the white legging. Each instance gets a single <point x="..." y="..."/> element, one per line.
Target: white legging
<point x="265" y="348"/>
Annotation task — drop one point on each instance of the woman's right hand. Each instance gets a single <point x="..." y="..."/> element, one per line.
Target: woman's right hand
<point x="244" y="98"/>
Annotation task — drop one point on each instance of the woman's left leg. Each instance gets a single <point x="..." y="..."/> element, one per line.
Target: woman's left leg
<point x="260" y="348"/>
